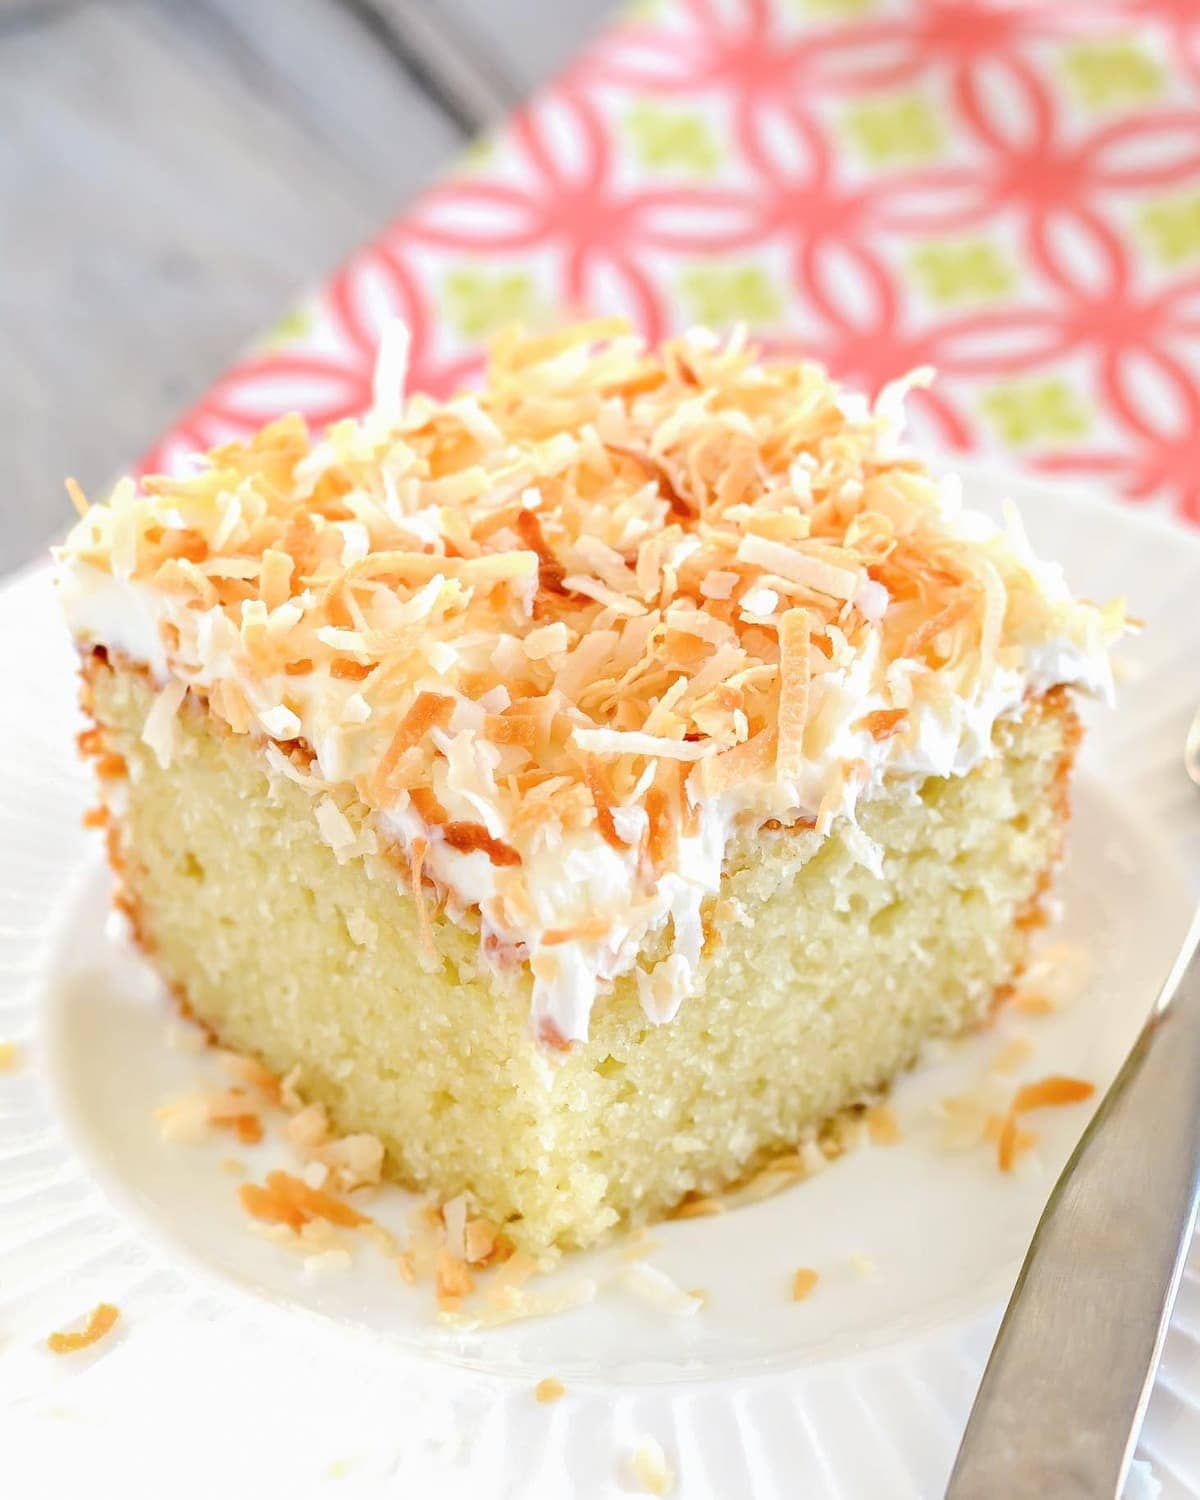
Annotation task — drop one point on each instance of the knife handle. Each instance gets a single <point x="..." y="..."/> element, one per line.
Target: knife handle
<point x="1066" y="1387"/>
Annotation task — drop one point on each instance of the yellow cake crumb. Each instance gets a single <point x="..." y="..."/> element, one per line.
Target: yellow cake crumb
<point x="549" y="1390"/>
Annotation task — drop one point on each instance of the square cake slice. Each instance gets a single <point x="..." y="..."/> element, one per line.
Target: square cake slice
<point x="590" y="786"/>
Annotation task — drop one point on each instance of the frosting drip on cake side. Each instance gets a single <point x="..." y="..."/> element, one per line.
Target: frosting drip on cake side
<point x="568" y="640"/>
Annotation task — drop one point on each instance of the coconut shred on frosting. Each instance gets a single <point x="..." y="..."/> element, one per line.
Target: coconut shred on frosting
<point x="560" y="643"/>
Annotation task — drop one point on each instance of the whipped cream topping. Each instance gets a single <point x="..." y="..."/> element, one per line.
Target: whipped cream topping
<point x="543" y="643"/>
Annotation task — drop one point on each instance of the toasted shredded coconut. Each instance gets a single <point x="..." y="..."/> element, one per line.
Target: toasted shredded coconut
<point x="289" y="1086"/>
<point x="1053" y="980"/>
<point x="795" y="633"/>
<point x="964" y="1118"/>
<point x="480" y="1241"/>
<point x="289" y="1200"/>
<point x="654" y="1286"/>
<point x="1031" y="1003"/>
<point x="250" y="1074"/>
<point x="416" y="862"/>
<point x="159" y="730"/>
<point x="557" y="644"/>
<point x="454" y="1279"/>
<point x="1011" y="1141"/>
<point x="693" y="1207"/>
<point x="507" y="1302"/>
<point x="638" y="1244"/>
<point x="352" y="1161"/>
<point x="185" y="1120"/>
<point x="803" y="1283"/>
<point x="793" y="1166"/>
<point x="307" y="1129"/>
<point x="315" y="1174"/>
<point x="1054" y="1090"/>
<point x="77" y="497"/>
<point x="100" y="1320"/>
<point x="769" y="1181"/>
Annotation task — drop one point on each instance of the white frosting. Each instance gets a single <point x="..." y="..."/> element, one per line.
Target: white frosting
<point x="105" y="611"/>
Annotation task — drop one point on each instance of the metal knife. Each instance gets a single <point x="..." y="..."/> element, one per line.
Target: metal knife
<point x="1063" y="1396"/>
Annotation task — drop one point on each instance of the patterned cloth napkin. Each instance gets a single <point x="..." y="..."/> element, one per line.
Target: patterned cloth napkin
<point x="1009" y="192"/>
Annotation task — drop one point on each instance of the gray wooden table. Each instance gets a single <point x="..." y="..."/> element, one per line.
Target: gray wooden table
<point x="174" y="173"/>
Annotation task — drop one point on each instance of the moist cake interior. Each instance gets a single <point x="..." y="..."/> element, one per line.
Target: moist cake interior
<point x="811" y="1004"/>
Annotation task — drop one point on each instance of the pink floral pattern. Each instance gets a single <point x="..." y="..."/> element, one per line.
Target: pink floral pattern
<point x="1006" y="191"/>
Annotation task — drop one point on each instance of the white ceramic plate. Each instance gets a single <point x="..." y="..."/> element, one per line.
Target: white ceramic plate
<point x="305" y="1382"/>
